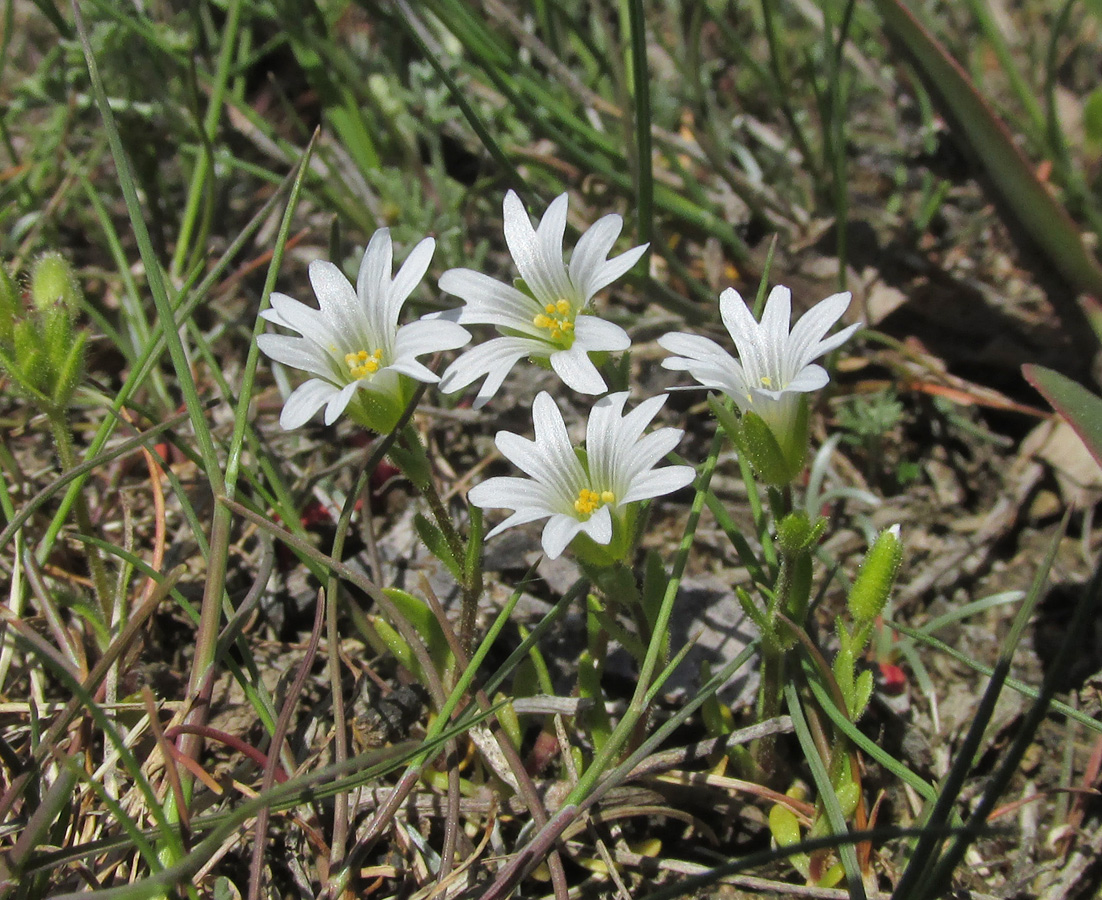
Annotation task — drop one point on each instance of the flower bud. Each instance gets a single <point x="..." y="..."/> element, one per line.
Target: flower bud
<point x="874" y="581"/>
<point x="53" y="282"/>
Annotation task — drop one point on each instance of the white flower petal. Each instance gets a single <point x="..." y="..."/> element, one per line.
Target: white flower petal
<point x="562" y="469"/>
<point x="660" y="482"/>
<point x="606" y="441"/>
<point x="652" y="449"/>
<point x="810" y="378"/>
<point x="808" y="332"/>
<point x="411" y="273"/>
<point x="489" y="302"/>
<point x="429" y="336"/>
<point x="415" y="370"/>
<point x="339" y="304"/>
<point x="591" y="251"/>
<point x="577" y="371"/>
<point x="549" y="237"/>
<point x="494" y="359"/>
<point x="296" y="352"/>
<point x="596" y="334"/>
<point x="373" y="280"/>
<point x="339" y="402"/>
<point x="305" y="400"/>
<point x="599" y="526"/>
<point x="508" y="492"/>
<point x="523" y="517"/>
<point x="559" y="531"/>
<point x="527" y="246"/>
<point x="292" y="314"/>
<point x="614" y="269"/>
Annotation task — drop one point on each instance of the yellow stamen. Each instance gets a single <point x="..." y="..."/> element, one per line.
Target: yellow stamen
<point x="589" y="502"/>
<point x="766" y="381"/>
<point x="557" y="318"/>
<point x="361" y="364"/>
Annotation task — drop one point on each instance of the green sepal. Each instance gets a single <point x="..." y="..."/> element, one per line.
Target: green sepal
<point x="727" y="419"/>
<point x="70" y="370"/>
<point x="862" y="693"/>
<point x="844" y="664"/>
<point x="434" y="539"/>
<point x="604" y="622"/>
<point x="377" y="411"/>
<point x="848" y="794"/>
<point x="793" y="533"/>
<point x="774" y="464"/>
<point x="32" y="368"/>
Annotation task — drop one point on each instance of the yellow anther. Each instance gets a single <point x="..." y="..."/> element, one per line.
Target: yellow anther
<point x="766" y="381"/>
<point x="589" y="502"/>
<point x="361" y="363"/>
<point x="557" y="318"/>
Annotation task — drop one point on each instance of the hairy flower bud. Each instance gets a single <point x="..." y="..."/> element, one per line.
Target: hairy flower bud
<point x="53" y="283"/>
<point x="874" y="581"/>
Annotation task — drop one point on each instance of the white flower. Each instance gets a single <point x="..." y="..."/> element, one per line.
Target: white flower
<point x="583" y="493"/>
<point x="548" y="319"/>
<point x="353" y="343"/>
<point x="775" y="366"/>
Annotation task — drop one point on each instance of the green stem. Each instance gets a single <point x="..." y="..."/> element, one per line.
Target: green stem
<point x="420" y="473"/>
<point x="63" y="438"/>
<point x="638" y="706"/>
<point x="199" y="187"/>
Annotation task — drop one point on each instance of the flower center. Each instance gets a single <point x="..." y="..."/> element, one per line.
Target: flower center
<point x="361" y="364"/>
<point x="766" y="381"/>
<point x="557" y="318"/>
<point x="589" y="502"/>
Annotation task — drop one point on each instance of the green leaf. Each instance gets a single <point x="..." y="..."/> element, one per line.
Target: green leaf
<point x="434" y="539"/>
<point x="421" y="617"/>
<point x="1081" y="408"/>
